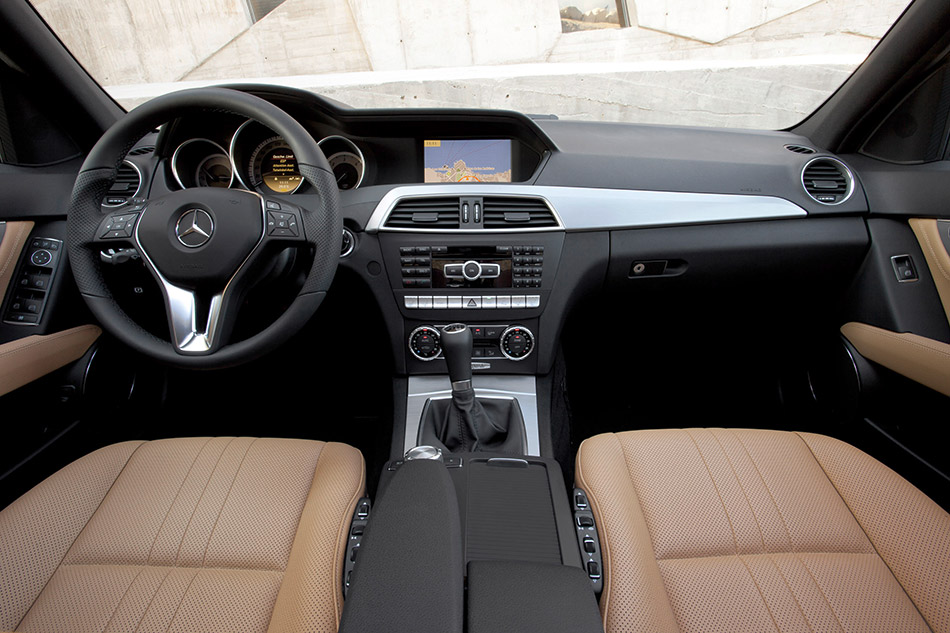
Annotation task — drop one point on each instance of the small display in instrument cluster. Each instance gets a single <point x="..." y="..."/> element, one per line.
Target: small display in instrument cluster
<point x="467" y="160"/>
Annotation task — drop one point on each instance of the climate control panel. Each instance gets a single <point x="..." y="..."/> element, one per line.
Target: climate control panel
<point x="511" y="342"/>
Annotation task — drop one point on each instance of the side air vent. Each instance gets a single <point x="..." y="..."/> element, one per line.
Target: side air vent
<point x="127" y="182"/>
<point x="827" y="180"/>
<point x="142" y="151"/>
<point x="799" y="149"/>
<point x="517" y="213"/>
<point x="425" y="213"/>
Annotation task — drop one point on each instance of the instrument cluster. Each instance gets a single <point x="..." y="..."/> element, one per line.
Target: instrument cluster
<point x="258" y="159"/>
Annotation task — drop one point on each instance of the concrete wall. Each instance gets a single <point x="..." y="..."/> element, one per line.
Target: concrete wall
<point x="143" y="41"/>
<point x="759" y="63"/>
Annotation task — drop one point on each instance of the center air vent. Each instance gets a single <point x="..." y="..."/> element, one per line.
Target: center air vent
<point x="517" y="213"/>
<point x="827" y="180"/>
<point x="425" y="213"/>
<point x="127" y="182"/>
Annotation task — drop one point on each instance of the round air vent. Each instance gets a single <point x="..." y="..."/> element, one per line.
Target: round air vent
<point x="827" y="180"/>
<point x="128" y="181"/>
<point x="799" y="149"/>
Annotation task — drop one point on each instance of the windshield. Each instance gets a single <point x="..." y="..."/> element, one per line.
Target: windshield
<point x="727" y="63"/>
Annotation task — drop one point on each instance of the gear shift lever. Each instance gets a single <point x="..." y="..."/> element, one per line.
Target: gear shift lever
<point x="466" y="423"/>
<point x="456" y="340"/>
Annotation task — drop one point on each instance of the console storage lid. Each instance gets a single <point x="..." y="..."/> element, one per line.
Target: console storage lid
<point x="530" y="597"/>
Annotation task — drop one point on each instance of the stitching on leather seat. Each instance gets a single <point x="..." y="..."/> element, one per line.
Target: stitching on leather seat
<point x="860" y="525"/>
<point x="78" y="534"/>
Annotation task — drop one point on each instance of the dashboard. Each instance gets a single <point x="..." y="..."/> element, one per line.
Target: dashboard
<point x="509" y="221"/>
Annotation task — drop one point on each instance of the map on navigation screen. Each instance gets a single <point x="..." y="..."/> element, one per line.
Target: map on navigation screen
<point x="467" y="160"/>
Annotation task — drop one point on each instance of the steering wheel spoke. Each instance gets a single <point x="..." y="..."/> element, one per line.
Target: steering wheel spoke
<point x="185" y="312"/>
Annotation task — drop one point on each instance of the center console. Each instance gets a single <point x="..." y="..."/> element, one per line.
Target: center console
<point x="498" y="284"/>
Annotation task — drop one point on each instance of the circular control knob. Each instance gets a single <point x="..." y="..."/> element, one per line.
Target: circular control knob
<point x="516" y="342"/>
<point x="424" y="343"/>
<point x="41" y="258"/>
<point x="471" y="270"/>
<point x="424" y="452"/>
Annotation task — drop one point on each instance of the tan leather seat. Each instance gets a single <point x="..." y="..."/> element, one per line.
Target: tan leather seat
<point x="197" y="534"/>
<point x="743" y="530"/>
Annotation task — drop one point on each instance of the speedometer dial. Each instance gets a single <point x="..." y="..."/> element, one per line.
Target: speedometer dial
<point x="347" y="169"/>
<point x="274" y="166"/>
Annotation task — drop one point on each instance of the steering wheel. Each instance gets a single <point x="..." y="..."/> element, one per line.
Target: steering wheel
<point x="203" y="246"/>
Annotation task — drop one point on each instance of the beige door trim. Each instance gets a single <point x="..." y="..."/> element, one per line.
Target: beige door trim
<point x="24" y="360"/>
<point x="921" y="359"/>
<point x="938" y="259"/>
<point x="14" y="239"/>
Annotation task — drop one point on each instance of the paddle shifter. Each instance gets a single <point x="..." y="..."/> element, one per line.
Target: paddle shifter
<point x="464" y="423"/>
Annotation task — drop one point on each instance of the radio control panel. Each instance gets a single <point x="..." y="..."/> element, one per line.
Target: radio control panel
<point x="471" y="266"/>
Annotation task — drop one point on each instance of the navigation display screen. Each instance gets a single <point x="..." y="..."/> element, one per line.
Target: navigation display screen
<point x="467" y="160"/>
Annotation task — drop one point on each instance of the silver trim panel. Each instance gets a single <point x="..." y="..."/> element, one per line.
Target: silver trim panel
<point x="521" y="388"/>
<point x="589" y="209"/>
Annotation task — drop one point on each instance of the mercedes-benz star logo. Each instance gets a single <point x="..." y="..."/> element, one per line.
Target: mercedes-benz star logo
<point x="194" y="228"/>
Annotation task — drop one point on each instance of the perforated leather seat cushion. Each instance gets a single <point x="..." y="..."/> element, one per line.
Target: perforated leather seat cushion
<point x="744" y="530"/>
<point x="196" y="534"/>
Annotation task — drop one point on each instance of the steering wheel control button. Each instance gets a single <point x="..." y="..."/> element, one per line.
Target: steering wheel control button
<point x="516" y="342"/>
<point x="194" y="228"/>
<point x="282" y="224"/>
<point x="118" y="226"/>
<point x="272" y="206"/>
<point x="424" y="343"/>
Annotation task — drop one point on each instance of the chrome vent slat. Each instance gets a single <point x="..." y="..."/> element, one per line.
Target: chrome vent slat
<point x="142" y="151"/>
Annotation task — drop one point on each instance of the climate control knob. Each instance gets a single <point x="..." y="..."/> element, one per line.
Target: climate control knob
<point x="424" y="342"/>
<point x="517" y="342"/>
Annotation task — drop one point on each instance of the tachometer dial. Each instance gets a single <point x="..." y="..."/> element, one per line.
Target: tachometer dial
<point x="214" y="171"/>
<point x="273" y="166"/>
<point x="199" y="162"/>
<point x="347" y="169"/>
